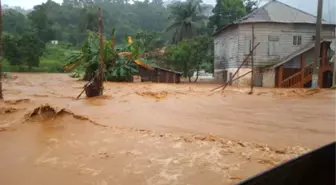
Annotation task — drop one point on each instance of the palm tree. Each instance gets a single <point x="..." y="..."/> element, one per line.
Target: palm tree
<point x="185" y="17"/>
<point x="1" y="53"/>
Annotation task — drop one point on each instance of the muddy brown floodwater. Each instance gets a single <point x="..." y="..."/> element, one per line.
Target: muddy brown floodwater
<point x="153" y="134"/>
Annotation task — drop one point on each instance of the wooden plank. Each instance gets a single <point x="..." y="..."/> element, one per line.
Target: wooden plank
<point x="280" y="75"/>
<point x="323" y="65"/>
<point x="329" y="37"/>
<point x="302" y="62"/>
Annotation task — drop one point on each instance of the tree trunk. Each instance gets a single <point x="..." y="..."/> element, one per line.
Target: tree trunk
<point x="189" y="79"/>
<point x="197" y="71"/>
<point x="1" y="53"/>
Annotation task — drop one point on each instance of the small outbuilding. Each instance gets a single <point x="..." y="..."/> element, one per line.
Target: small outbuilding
<point x="159" y="75"/>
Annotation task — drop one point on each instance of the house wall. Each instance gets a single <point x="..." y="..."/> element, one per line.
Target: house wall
<point x="309" y="57"/>
<point x="232" y="46"/>
<point x="284" y="47"/>
<point x="225" y="51"/>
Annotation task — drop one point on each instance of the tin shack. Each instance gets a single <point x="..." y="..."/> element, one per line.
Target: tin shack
<point x="159" y="75"/>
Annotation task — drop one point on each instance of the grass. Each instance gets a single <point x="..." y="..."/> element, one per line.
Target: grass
<point x="52" y="61"/>
<point x="46" y="65"/>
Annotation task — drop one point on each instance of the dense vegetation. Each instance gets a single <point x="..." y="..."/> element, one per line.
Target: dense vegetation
<point x="175" y="35"/>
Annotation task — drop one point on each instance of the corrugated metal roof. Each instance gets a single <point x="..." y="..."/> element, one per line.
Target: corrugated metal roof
<point x="177" y="72"/>
<point x="277" y="12"/>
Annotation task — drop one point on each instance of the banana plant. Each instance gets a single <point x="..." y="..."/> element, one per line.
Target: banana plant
<point x="119" y="66"/>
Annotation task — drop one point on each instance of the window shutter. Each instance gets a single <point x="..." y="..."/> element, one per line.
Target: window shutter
<point x="273" y="48"/>
<point x="230" y="48"/>
<point x="270" y="48"/>
<point x="294" y="40"/>
<point x="247" y="46"/>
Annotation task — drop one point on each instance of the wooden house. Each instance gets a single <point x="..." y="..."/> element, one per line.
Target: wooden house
<point x="159" y="75"/>
<point x="285" y="54"/>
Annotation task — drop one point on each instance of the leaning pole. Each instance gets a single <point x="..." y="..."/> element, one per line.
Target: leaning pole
<point x="1" y="52"/>
<point x="101" y="76"/>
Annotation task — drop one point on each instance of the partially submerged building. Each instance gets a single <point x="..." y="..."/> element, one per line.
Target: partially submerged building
<point x="286" y="51"/>
<point x="159" y="75"/>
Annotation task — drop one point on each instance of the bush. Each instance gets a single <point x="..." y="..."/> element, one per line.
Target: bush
<point x="52" y="61"/>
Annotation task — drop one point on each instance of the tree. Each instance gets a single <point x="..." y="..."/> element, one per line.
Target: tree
<point x="41" y="22"/>
<point x="202" y="53"/>
<point x="14" y="21"/>
<point x="157" y="2"/>
<point x="120" y="65"/>
<point x="251" y="5"/>
<point x="89" y="19"/>
<point x="31" y="48"/>
<point x="185" y="17"/>
<point x="190" y="55"/>
<point x="1" y="52"/>
<point x="24" y="49"/>
<point x="225" y="12"/>
<point x="149" y="40"/>
<point x="11" y="50"/>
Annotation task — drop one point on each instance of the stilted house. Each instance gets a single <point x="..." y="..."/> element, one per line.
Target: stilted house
<point x="285" y="54"/>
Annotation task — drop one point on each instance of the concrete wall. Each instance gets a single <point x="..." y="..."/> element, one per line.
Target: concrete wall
<point x="269" y="78"/>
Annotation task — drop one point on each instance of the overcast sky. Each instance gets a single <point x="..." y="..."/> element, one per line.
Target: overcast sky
<point x="305" y="5"/>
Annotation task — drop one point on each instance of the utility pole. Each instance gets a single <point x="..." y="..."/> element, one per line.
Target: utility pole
<point x="316" y="64"/>
<point x="334" y="71"/>
<point x="252" y="59"/>
<point x="1" y="52"/>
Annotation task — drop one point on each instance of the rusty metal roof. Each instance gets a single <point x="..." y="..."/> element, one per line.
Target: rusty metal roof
<point x="167" y="70"/>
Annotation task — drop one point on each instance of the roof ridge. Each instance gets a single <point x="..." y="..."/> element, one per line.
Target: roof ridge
<point x="254" y="11"/>
<point x="296" y="9"/>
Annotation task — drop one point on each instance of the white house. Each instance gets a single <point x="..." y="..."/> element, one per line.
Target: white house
<point x="286" y="36"/>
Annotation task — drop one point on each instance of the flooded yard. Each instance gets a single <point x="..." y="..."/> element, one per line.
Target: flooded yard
<point x="147" y="133"/>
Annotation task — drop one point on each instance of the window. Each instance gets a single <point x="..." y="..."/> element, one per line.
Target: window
<point x="247" y="46"/>
<point x="230" y="48"/>
<point x="297" y="40"/>
<point x="273" y="45"/>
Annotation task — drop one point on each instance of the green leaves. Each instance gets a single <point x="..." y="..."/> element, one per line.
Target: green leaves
<point x="185" y="19"/>
<point x="23" y="49"/>
<point x="190" y="55"/>
<point x="113" y="32"/>
<point x="117" y="68"/>
<point x="227" y="11"/>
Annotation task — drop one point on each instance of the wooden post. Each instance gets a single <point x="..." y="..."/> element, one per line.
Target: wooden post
<point x="324" y="55"/>
<point x="302" y="65"/>
<point x="1" y="53"/>
<point x="252" y="60"/>
<point x="334" y="71"/>
<point x="323" y="64"/>
<point x="241" y="65"/>
<point x="101" y="78"/>
<point x="280" y="76"/>
<point x="316" y="64"/>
